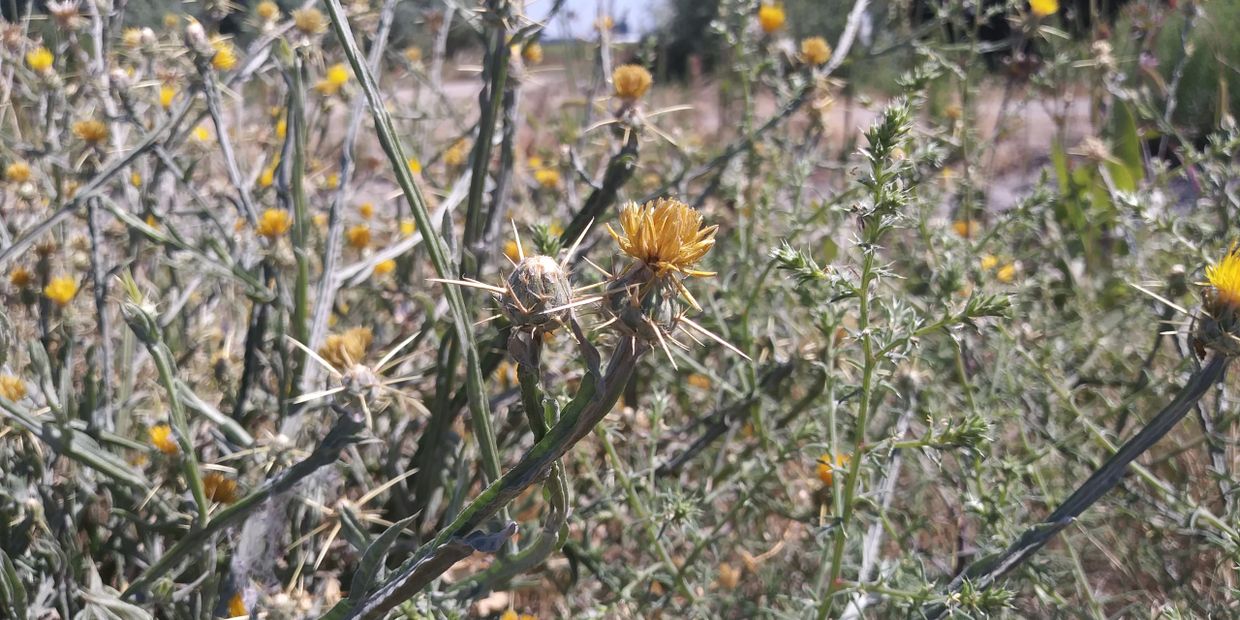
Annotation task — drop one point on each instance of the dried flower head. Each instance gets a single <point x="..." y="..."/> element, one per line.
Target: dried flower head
<point x="17" y="172"/>
<point x="12" y="388"/>
<point x="631" y="82"/>
<point x="274" y="223"/>
<point x="267" y="10"/>
<point x="66" y="14"/>
<point x="666" y="235"/>
<point x="219" y="488"/>
<point x="92" y="131"/>
<point x="310" y="21"/>
<point x="20" y="277"/>
<point x="771" y="17"/>
<point x="345" y="350"/>
<point x="815" y="51"/>
<point x="61" y="290"/>
<point x="162" y="438"/>
<point x="39" y="59"/>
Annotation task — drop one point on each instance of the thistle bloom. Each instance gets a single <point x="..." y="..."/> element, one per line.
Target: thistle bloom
<point x="166" y="94"/>
<point x="163" y="440"/>
<point x="666" y="235"/>
<point x="309" y="21"/>
<point x="12" y="388"/>
<point x="92" y="131"/>
<point x="39" y="59"/>
<point x="827" y="466"/>
<point x="1044" y="8"/>
<point x="358" y="236"/>
<point x="20" y="277"/>
<point x="1224" y="278"/>
<point x="413" y="54"/>
<point x="771" y="17"/>
<point x="274" y="223"/>
<point x="547" y="177"/>
<point x="631" y="81"/>
<point x="225" y="57"/>
<point x="345" y="350"/>
<point x="455" y="155"/>
<point x="384" y="267"/>
<point x="337" y="76"/>
<point x="815" y="51"/>
<point x="268" y="10"/>
<point x="61" y="290"/>
<point x="533" y="53"/>
<point x="17" y="172"/>
<point x="219" y="488"/>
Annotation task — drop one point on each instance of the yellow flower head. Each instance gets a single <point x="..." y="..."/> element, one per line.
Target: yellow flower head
<point x="547" y="177"/>
<point x="513" y="251"/>
<point x="1224" y="277"/>
<point x="219" y="488"/>
<point x="309" y="21"/>
<point x="92" y="131"/>
<point x="455" y="155"/>
<point x="729" y="576"/>
<point x="12" y="388"/>
<point x="20" y="277"/>
<point x="131" y="37"/>
<point x="338" y="74"/>
<point x="331" y="181"/>
<point x="268" y="10"/>
<point x="415" y="166"/>
<point x="236" y="607"/>
<point x="39" y="59"/>
<point x="358" y="236"/>
<point x="384" y="267"/>
<point x="61" y="290"/>
<point x="988" y="262"/>
<point x="1006" y="274"/>
<point x="366" y="210"/>
<point x="166" y="94"/>
<point x="665" y="234"/>
<point x="345" y="350"/>
<point x="631" y="81"/>
<point x="17" y="172"/>
<point x="1044" y="8"/>
<point x="274" y="223"/>
<point x="163" y="440"/>
<point x="225" y="57"/>
<point x="135" y="179"/>
<point x="533" y="53"/>
<point x="413" y="54"/>
<point x="407" y="228"/>
<point x="268" y="177"/>
<point x="771" y="17"/>
<point x="815" y="51"/>
<point x="828" y="465"/>
<point x="965" y="228"/>
<point x="202" y="134"/>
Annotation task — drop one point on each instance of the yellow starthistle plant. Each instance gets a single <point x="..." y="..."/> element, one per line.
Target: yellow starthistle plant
<point x="631" y="82"/>
<point x="17" y="172"/>
<point x="12" y="388"/>
<point x="666" y="235"/>
<point x="310" y="21"/>
<point x="358" y="236"/>
<point x="274" y="223"/>
<point x="347" y="349"/>
<point x="1218" y="328"/>
<point x="61" y="290"/>
<point x="268" y="10"/>
<point x="91" y="131"/>
<point x="167" y="93"/>
<point x="1043" y="8"/>
<point x="533" y="53"/>
<point x="225" y="56"/>
<point x="1223" y="278"/>
<point x="40" y="59"/>
<point x="771" y="17"/>
<point x="815" y="51"/>
<point x="162" y="438"/>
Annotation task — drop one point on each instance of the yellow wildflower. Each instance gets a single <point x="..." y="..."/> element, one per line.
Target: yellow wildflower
<point x="268" y="10"/>
<point x="225" y="57"/>
<point x="131" y="37"/>
<point x="202" y="134"/>
<point x="39" y="59"/>
<point x="1006" y="274"/>
<point x="166" y="94"/>
<point x="135" y="179"/>
<point x="547" y="177"/>
<point x="965" y="228"/>
<point x="413" y="54"/>
<point x="631" y="81"/>
<point x="163" y="440"/>
<point x="828" y="465"/>
<point x="366" y="210"/>
<point x="267" y="177"/>
<point x="17" y="172"/>
<point x="1224" y="277"/>
<point x="12" y="388"/>
<point x="510" y="614"/>
<point x="1044" y="8"/>
<point x="91" y="130"/>
<point x="771" y="17"/>
<point x="332" y="181"/>
<point x="274" y="223"/>
<point x="384" y="267"/>
<point x="407" y="228"/>
<point x="345" y="350"/>
<point x="219" y="488"/>
<point x="729" y="576"/>
<point x="815" y="51"/>
<point x="533" y="53"/>
<point x="455" y="155"/>
<point x="336" y="77"/>
<point x="358" y="236"/>
<point x="61" y="290"/>
<point x="699" y="381"/>
<point x="665" y="234"/>
<point x="236" y="607"/>
<point x="309" y="21"/>
<point x="415" y="166"/>
<point x="512" y="251"/>
<point x="988" y="262"/>
<point x="282" y="128"/>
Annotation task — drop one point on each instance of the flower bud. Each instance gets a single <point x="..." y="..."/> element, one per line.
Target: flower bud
<point x="537" y="284"/>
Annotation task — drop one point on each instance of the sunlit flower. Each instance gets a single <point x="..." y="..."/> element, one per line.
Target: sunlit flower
<point x="225" y="56"/>
<point x="384" y="267"/>
<point x="547" y="177"/>
<point x="1044" y="8"/>
<point x="17" y="172"/>
<point x="336" y="77"/>
<point x="965" y="228"/>
<point x="166" y="94"/>
<point x="135" y="179"/>
<point x="61" y="290"/>
<point x="282" y="128"/>
<point x="828" y="465"/>
<point x="358" y="236"/>
<point x="162" y="438"/>
<point x="455" y="155"/>
<point x="1006" y="274"/>
<point x="665" y="234"/>
<point x="366" y="210"/>
<point x="512" y="250"/>
<point x="274" y="223"/>
<point x="631" y="81"/>
<point x="413" y="54"/>
<point x="533" y="53"/>
<point x="309" y="21"/>
<point x="815" y="51"/>
<point x="771" y="17"/>
<point x="407" y="228"/>
<point x="267" y="177"/>
<point x="988" y="262"/>
<point x="268" y="10"/>
<point x="92" y="130"/>
<point x="202" y="134"/>
<point x="12" y="388"/>
<point x="131" y="37"/>
<point x="415" y="166"/>
<point x="1224" y="278"/>
<point x="345" y="350"/>
<point x="219" y="488"/>
<point x="331" y="181"/>
<point x="39" y="59"/>
<point x="236" y="607"/>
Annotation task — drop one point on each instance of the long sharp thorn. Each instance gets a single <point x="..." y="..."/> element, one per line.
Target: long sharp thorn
<point x="707" y="333"/>
<point x="387" y="357"/>
<point x="573" y="249"/>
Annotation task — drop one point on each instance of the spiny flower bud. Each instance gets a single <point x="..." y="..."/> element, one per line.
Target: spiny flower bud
<point x="536" y="285"/>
